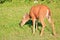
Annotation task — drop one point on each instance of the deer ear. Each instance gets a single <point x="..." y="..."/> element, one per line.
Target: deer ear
<point x="24" y="16"/>
<point x="27" y="14"/>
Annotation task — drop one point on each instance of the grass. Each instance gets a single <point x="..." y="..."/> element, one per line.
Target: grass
<point x="11" y="15"/>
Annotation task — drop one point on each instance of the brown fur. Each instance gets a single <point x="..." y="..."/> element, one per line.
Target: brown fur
<point x="39" y="12"/>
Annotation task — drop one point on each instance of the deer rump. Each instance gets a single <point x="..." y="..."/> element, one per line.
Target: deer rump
<point x="39" y="11"/>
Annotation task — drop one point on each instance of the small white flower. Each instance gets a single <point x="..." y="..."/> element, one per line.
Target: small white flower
<point x="36" y="1"/>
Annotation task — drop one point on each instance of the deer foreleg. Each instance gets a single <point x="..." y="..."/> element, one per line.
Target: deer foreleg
<point x="33" y="26"/>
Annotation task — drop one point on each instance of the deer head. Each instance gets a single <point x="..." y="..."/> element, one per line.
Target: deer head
<point x="24" y="19"/>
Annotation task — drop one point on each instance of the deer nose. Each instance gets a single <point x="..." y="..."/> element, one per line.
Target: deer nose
<point x="21" y="24"/>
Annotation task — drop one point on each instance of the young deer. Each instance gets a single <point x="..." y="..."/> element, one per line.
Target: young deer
<point x="39" y="12"/>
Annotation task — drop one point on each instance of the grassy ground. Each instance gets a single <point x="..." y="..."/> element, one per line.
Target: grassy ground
<point x="11" y="14"/>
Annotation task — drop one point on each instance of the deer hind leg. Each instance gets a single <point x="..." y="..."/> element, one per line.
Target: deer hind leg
<point x="43" y="25"/>
<point x="52" y="24"/>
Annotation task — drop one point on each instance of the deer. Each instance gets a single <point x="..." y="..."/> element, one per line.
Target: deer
<point x="39" y="12"/>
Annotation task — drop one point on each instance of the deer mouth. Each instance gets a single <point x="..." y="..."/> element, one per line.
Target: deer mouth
<point x="22" y="23"/>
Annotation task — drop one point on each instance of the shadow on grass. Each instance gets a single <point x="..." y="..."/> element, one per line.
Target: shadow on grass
<point x="29" y="23"/>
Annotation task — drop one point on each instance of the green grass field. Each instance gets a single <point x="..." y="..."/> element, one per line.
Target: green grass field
<point x="11" y="14"/>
